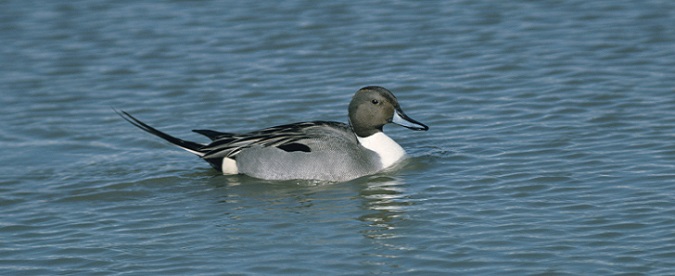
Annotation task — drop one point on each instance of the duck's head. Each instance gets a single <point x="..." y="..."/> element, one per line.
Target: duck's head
<point x="372" y="107"/>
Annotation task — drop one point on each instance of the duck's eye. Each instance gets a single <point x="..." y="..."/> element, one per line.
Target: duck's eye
<point x="375" y="101"/>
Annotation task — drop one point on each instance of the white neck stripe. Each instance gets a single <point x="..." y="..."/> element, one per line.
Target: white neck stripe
<point x="389" y="151"/>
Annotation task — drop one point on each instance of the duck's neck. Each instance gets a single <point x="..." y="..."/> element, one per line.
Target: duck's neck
<point x="389" y="151"/>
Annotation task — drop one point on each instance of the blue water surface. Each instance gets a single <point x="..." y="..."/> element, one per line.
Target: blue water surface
<point x="551" y="149"/>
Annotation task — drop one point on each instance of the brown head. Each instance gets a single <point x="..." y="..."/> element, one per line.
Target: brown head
<point x="372" y="107"/>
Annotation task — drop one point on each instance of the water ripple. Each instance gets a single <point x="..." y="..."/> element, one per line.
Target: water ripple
<point x="550" y="149"/>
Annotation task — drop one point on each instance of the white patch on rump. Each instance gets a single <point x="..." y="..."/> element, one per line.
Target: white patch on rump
<point x="229" y="166"/>
<point x="389" y="151"/>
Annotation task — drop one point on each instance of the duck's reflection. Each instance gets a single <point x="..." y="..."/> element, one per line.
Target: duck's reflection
<point x="380" y="202"/>
<point x="385" y="200"/>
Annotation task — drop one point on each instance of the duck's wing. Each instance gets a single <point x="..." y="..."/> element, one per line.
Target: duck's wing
<point x="214" y="135"/>
<point x="297" y="137"/>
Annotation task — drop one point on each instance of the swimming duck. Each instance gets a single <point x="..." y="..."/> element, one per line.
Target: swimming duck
<point x="317" y="150"/>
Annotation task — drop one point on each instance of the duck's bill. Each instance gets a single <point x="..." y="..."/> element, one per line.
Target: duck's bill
<point x="403" y="120"/>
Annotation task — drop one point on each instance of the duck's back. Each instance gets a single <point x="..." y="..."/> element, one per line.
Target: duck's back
<point x="327" y="151"/>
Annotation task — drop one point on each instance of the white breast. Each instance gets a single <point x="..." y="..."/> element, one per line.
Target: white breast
<point x="389" y="151"/>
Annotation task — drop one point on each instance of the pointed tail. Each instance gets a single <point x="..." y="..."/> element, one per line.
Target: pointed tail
<point x="190" y="146"/>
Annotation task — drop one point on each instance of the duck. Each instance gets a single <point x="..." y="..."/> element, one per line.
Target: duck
<point x="314" y="150"/>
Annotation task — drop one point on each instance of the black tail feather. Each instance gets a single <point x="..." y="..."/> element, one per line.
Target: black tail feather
<point x="186" y="145"/>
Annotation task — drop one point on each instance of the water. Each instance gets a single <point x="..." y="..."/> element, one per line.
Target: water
<point x="551" y="149"/>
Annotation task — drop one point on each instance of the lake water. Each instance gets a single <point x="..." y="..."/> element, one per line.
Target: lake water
<point x="551" y="149"/>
